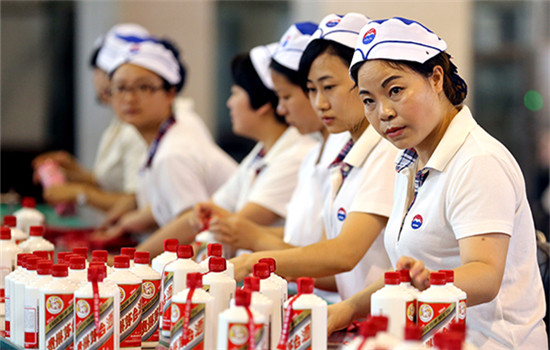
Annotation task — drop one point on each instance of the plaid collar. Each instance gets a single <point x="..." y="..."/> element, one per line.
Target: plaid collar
<point x="343" y="153"/>
<point x="154" y="146"/>
<point x="407" y="159"/>
<point x="257" y="159"/>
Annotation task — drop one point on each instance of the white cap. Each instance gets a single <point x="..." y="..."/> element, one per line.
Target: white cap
<point x="293" y="43"/>
<point x="116" y="41"/>
<point x="261" y="58"/>
<point x="341" y="29"/>
<point x="397" y="39"/>
<point x="152" y="56"/>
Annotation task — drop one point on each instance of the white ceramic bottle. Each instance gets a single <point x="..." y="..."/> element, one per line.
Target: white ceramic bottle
<point x="150" y="299"/>
<point x="305" y="320"/>
<point x="129" y="252"/>
<point x="216" y="249"/>
<point x="9" y="287"/>
<point x="276" y="278"/>
<point x="36" y="241"/>
<point x="17" y="235"/>
<point x="18" y="300"/>
<point x="241" y="325"/>
<point x="274" y="292"/>
<point x="460" y="295"/>
<point x="28" y="215"/>
<point x="8" y="261"/>
<point x="56" y="311"/>
<point x="32" y="301"/>
<point x="77" y="270"/>
<point x="168" y="255"/>
<point x="193" y="315"/>
<point x="130" y="303"/>
<point x="412" y="339"/>
<point x="103" y="332"/>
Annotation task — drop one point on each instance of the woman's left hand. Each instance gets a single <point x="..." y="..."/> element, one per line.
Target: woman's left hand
<point x="233" y="230"/>
<point x="420" y="275"/>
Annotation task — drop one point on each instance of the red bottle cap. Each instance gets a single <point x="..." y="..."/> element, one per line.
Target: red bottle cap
<point x="367" y="329"/>
<point x="270" y="262"/>
<point x="82" y="251"/>
<point x="405" y="275"/>
<point x="128" y="251"/>
<point x="44" y="267"/>
<point x="32" y="262"/>
<point x="242" y="297"/>
<point x="10" y="220"/>
<point x="216" y="264"/>
<point x="252" y="283"/>
<point x="100" y="255"/>
<point x="99" y="265"/>
<point x="61" y="257"/>
<point x="142" y="258"/>
<point x="261" y="270"/>
<point x="185" y="251"/>
<point x="305" y="285"/>
<point x="449" y="275"/>
<point x="96" y="273"/>
<point x="215" y="249"/>
<point x="413" y="332"/>
<point x="392" y="278"/>
<point x="122" y="262"/>
<point x="194" y="280"/>
<point x="171" y="245"/>
<point x="28" y="202"/>
<point x="437" y="278"/>
<point x="5" y="233"/>
<point x="42" y="254"/>
<point x="37" y="231"/>
<point x="459" y="328"/>
<point x="21" y="257"/>
<point x="76" y="262"/>
<point x="448" y="341"/>
<point x="60" y="270"/>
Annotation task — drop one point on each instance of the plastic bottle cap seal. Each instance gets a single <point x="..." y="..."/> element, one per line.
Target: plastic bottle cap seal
<point x="32" y="263"/>
<point x="252" y="283"/>
<point x="36" y="231"/>
<point x="42" y="254"/>
<point x="28" y="202"/>
<point x="170" y="245"/>
<point x="142" y="258"/>
<point x="60" y="270"/>
<point x="449" y="275"/>
<point x="437" y="278"/>
<point x="129" y="252"/>
<point x="215" y="249"/>
<point x="185" y="251"/>
<point x="82" y="251"/>
<point x="405" y="275"/>
<point x="270" y="262"/>
<point x="194" y="280"/>
<point x="76" y="262"/>
<point x="242" y="297"/>
<point x="10" y="220"/>
<point x="44" y="267"/>
<point x="100" y="255"/>
<point x="380" y="322"/>
<point x="305" y="285"/>
<point x="392" y="278"/>
<point x="217" y="264"/>
<point x="122" y="262"/>
<point x="5" y="233"/>
<point x="261" y="270"/>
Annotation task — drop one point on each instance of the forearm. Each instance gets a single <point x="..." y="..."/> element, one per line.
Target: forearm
<point x="269" y="238"/>
<point x="180" y="228"/>
<point x="102" y="200"/>
<point x="326" y="283"/>
<point x="360" y="301"/>
<point x="480" y="281"/>
<point x="81" y="175"/>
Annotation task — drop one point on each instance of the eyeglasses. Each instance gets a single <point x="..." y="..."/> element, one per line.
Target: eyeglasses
<point x="141" y="90"/>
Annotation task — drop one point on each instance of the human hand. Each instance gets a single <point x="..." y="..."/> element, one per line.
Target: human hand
<point x="65" y="193"/>
<point x="340" y="316"/>
<point x="420" y="275"/>
<point x="121" y="207"/>
<point x="108" y="234"/>
<point x="243" y="266"/>
<point x="233" y="230"/>
<point x="204" y="212"/>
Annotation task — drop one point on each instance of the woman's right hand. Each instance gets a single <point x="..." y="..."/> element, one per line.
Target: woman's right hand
<point x="340" y="316"/>
<point x="68" y="163"/>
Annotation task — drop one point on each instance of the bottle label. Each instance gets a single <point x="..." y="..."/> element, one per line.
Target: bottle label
<point x="195" y="330"/>
<point x="299" y="330"/>
<point x="31" y="326"/>
<point x="7" y="316"/>
<point x="411" y="313"/>
<point x="237" y="336"/>
<point x="201" y="251"/>
<point x="86" y="334"/>
<point x="59" y="321"/>
<point x="434" y="318"/>
<point x="168" y="280"/>
<point x="150" y="310"/>
<point x="462" y="311"/>
<point x="130" y="315"/>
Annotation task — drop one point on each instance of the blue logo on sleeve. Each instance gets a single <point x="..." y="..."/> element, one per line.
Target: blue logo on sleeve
<point x="416" y="222"/>
<point x="341" y="215"/>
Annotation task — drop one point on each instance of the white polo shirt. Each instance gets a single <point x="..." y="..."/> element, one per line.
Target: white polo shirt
<point x="475" y="186"/>
<point x="186" y="169"/>
<point x="119" y="156"/>
<point x="268" y="181"/>
<point x="368" y="188"/>
<point x="304" y="220"/>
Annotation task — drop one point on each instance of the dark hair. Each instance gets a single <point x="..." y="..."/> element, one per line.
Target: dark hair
<point x="315" y="49"/>
<point x="244" y="75"/>
<point x="454" y="86"/>
<point x="93" y="57"/>
<point x="168" y="44"/>
<point x="292" y="75"/>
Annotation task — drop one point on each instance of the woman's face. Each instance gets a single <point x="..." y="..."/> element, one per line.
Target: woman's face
<point x="294" y="105"/>
<point x="138" y="97"/>
<point x="243" y="117"/>
<point x="402" y="105"/>
<point x="332" y="94"/>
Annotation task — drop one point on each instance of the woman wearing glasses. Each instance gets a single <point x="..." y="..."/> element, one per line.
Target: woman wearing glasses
<point x="181" y="167"/>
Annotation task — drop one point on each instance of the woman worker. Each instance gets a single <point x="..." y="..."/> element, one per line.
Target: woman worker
<point x="181" y="167"/>
<point x="304" y="221"/>
<point x="460" y="199"/>
<point x="265" y="179"/>
<point x="360" y="197"/>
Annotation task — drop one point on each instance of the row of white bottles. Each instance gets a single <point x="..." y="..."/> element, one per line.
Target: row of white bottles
<point x="216" y="250"/>
<point x="17" y="235"/>
<point x="36" y="241"/>
<point x="8" y="261"/>
<point x="28" y="215"/>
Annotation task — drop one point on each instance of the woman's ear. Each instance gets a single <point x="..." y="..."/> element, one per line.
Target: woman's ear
<point x="437" y="78"/>
<point x="265" y="109"/>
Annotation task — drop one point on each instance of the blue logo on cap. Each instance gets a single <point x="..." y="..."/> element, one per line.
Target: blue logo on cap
<point x="134" y="48"/>
<point x="416" y="222"/>
<point x="369" y="36"/>
<point x="333" y="22"/>
<point x="341" y="215"/>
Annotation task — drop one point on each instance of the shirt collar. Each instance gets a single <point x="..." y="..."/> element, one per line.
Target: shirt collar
<point x="363" y="147"/>
<point x="284" y="141"/>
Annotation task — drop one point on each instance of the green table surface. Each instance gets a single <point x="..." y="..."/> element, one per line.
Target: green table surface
<point x="52" y="219"/>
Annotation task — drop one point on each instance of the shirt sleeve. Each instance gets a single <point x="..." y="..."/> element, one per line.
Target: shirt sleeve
<point x="482" y="198"/>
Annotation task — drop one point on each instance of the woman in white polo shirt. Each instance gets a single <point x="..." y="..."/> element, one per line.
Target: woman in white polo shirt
<point x="361" y="181"/>
<point x="182" y="166"/>
<point x="460" y="199"/>
<point x="265" y="179"/>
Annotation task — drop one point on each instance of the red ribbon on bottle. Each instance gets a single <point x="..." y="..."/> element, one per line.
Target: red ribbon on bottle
<point x="286" y="323"/>
<point x="251" y="328"/>
<point x="187" y="315"/>
<point x="94" y="278"/>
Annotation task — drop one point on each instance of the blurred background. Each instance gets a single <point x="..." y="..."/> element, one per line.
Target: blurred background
<point x="502" y="49"/>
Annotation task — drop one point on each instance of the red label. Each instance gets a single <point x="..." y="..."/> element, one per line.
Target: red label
<point x="130" y="315"/>
<point x="2" y="295"/>
<point x="462" y="311"/>
<point x="411" y="313"/>
<point x="86" y="334"/>
<point x="237" y="336"/>
<point x="59" y="321"/>
<point x="299" y="331"/>
<point x="150" y="310"/>
<point x="434" y="318"/>
<point x="167" y="300"/>
<point x="195" y="330"/>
